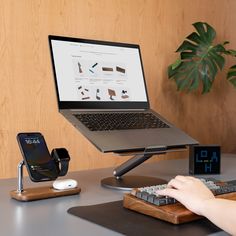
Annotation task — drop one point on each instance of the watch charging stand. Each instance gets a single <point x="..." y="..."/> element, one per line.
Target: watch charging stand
<point x="41" y="192"/>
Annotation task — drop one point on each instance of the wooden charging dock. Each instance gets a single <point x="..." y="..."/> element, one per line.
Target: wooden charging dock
<point x="32" y="194"/>
<point x="42" y="192"/>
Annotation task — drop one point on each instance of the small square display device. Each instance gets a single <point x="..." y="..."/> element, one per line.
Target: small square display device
<point x="204" y="159"/>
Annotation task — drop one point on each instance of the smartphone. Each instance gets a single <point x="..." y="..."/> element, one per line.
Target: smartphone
<point x="39" y="163"/>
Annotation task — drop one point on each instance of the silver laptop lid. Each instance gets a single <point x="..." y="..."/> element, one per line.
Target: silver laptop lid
<point x="93" y="74"/>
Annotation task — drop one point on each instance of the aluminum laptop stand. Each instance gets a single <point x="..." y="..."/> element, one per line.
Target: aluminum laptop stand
<point x="127" y="183"/>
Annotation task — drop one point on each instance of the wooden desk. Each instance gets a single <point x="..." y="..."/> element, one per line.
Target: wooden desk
<point x="50" y="217"/>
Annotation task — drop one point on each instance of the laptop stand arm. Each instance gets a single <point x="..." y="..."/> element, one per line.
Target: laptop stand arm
<point x="137" y="160"/>
<point x="130" y="164"/>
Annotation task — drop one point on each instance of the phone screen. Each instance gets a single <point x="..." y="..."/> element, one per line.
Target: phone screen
<point x="39" y="163"/>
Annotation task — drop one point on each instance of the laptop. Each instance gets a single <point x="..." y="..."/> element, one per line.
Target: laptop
<point x="101" y="91"/>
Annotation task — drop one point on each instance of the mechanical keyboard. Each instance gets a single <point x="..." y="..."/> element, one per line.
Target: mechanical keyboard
<point x="145" y="200"/>
<point x="149" y="194"/>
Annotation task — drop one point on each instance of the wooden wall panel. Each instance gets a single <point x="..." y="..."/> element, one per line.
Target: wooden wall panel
<point x="27" y="98"/>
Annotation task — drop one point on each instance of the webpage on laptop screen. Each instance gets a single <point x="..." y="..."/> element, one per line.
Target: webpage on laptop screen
<point x="94" y="72"/>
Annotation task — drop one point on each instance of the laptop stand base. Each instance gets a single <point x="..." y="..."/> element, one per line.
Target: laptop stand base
<point x="128" y="182"/>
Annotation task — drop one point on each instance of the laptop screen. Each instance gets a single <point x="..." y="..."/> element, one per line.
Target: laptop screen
<point x="96" y="74"/>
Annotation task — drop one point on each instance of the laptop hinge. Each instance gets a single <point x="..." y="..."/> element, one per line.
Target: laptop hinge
<point x="101" y="110"/>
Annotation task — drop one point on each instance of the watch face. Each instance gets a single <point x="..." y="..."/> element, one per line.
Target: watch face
<point x="63" y="154"/>
<point x="206" y="159"/>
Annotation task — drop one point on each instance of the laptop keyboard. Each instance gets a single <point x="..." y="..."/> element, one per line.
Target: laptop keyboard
<point x="120" y="121"/>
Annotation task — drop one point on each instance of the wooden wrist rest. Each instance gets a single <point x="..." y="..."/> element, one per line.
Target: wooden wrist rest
<point x="173" y="213"/>
<point x="32" y="194"/>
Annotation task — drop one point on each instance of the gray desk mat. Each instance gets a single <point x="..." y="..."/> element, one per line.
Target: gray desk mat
<point x="113" y="216"/>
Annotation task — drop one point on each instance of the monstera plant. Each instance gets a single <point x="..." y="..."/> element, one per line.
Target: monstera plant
<point x="200" y="60"/>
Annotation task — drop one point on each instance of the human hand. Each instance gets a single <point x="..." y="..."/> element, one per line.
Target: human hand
<point x="189" y="191"/>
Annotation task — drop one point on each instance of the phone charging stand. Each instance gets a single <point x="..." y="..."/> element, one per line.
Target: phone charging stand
<point x="38" y="193"/>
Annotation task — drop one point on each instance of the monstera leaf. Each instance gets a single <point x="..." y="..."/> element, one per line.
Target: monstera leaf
<point x="231" y="75"/>
<point x="200" y="60"/>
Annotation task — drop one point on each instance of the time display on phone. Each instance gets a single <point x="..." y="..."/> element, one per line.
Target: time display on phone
<point x="32" y="141"/>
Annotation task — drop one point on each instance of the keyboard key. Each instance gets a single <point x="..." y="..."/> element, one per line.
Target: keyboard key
<point x="171" y="200"/>
<point x="139" y="194"/>
<point x="151" y="198"/>
<point x="144" y="196"/>
<point x="160" y="201"/>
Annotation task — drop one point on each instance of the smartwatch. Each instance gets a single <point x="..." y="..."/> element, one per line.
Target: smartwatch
<point x="62" y="158"/>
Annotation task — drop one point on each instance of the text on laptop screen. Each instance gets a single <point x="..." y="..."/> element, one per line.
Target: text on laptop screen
<point x="96" y="72"/>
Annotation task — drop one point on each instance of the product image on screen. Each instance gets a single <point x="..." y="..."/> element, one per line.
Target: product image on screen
<point x="39" y="163"/>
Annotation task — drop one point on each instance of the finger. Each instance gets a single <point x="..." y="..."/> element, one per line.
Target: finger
<point x="181" y="178"/>
<point x="185" y="179"/>
<point x="170" y="192"/>
<point x="191" y="178"/>
<point x="175" y="183"/>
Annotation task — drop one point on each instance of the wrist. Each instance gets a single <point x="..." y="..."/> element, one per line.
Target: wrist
<point x="206" y="206"/>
